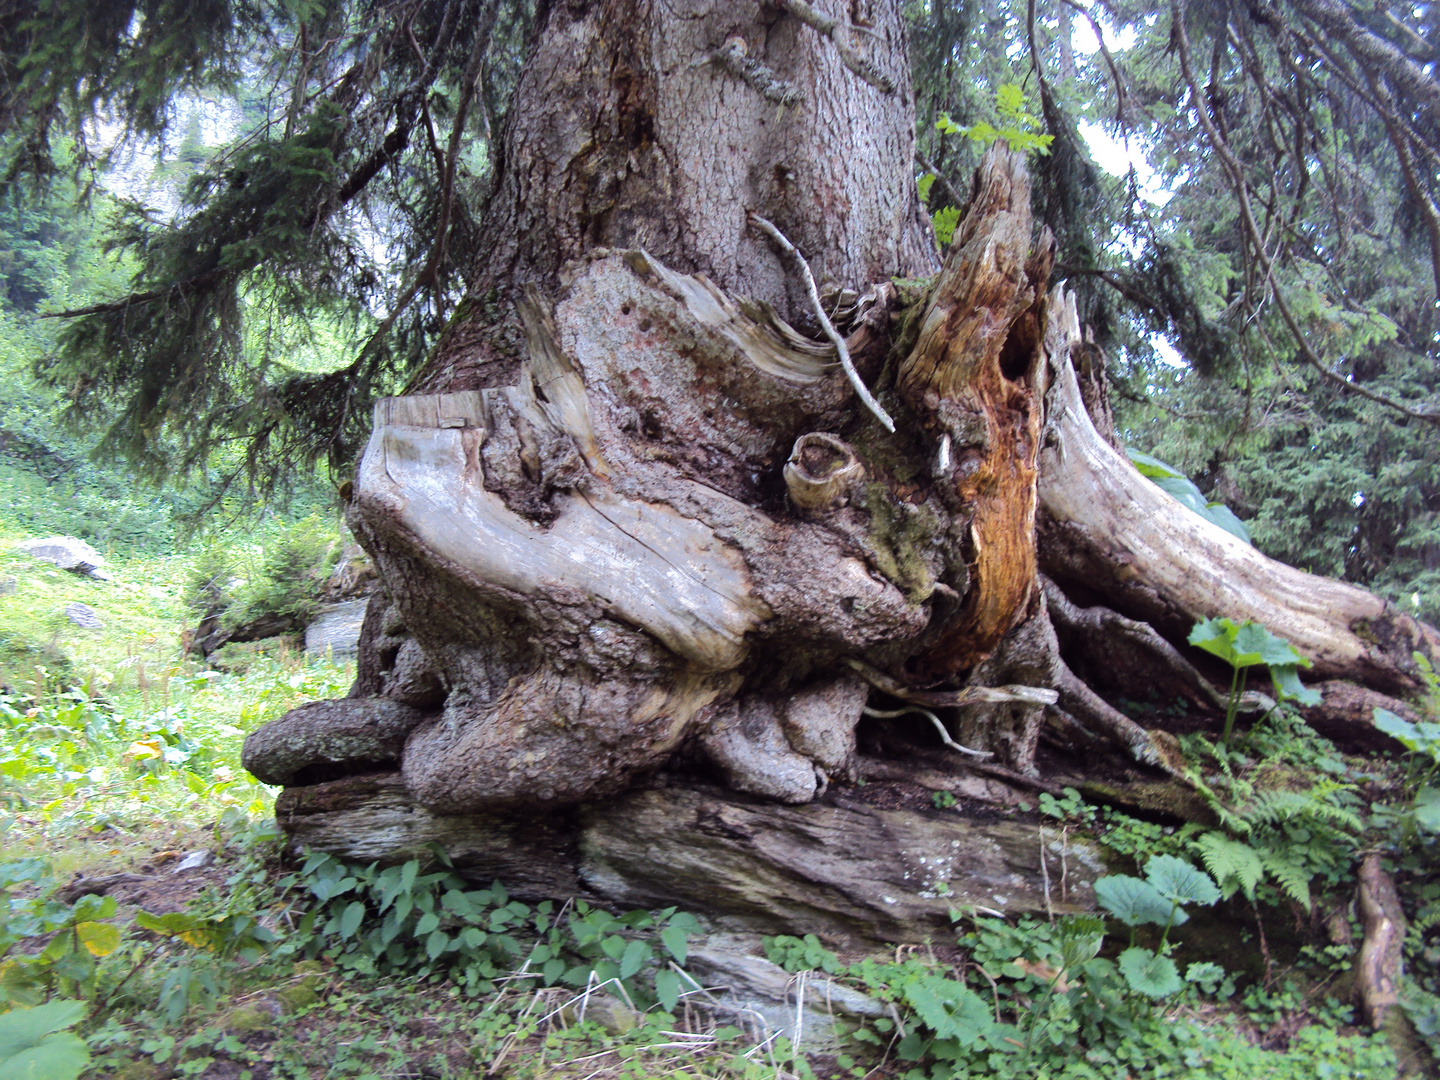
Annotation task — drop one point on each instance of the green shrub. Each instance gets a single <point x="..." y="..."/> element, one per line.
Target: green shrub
<point x="295" y="565"/>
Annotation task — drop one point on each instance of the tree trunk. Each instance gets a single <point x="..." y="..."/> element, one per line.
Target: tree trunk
<point x="638" y="534"/>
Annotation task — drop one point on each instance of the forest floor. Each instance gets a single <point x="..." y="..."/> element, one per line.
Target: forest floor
<point x="145" y="879"/>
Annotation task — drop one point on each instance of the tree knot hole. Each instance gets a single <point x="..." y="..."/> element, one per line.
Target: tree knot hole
<point x="1018" y="351"/>
<point x="821" y="471"/>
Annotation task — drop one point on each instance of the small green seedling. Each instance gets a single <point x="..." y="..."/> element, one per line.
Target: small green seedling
<point x="1246" y="645"/>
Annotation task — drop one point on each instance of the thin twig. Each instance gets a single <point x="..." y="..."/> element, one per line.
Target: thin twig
<point x="825" y="323"/>
<point x="1045" y="874"/>
<point x="956" y="199"/>
<point x="887" y="714"/>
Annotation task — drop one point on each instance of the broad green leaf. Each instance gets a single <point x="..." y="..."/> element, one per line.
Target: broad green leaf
<point x="55" y="1057"/>
<point x="100" y="938"/>
<point x="1217" y="637"/>
<point x="1243" y="645"/>
<point x="21" y="1029"/>
<point x="436" y="944"/>
<point x="675" y="940"/>
<point x="1149" y="974"/>
<point x="458" y="904"/>
<point x="1185" y="493"/>
<point x="1397" y="728"/>
<point x="1152" y="467"/>
<point x="426" y="924"/>
<point x="1135" y="902"/>
<point x="1256" y="645"/>
<point x="1223" y="516"/>
<point x="1427" y="809"/>
<point x="949" y="1008"/>
<point x="351" y="919"/>
<point x="1178" y="881"/>
<point x="613" y="946"/>
<point x="1204" y="973"/>
<point x="633" y="959"/>
<point x="1288" y="686"/>
<point x="667" y="989"/>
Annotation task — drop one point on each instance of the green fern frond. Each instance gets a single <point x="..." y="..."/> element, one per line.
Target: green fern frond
<point x="1231" y="863"/>
<point x="1278" y="807"/>
<point x="1294" y="881"/>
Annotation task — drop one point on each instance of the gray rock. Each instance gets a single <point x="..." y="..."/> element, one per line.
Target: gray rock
<point x="83" y="616"/>
<point x="8" y="586"/>
<point x="68" y="553"/>
<point x="352" y="734"/>
<point x="336" y="628"/>
<point x="196" y="860"/>
<point x="354" y="575"/>
<point x="760" y="995"/>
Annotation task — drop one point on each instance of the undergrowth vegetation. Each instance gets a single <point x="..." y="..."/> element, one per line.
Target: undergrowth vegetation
<point x="1219" y="950"/>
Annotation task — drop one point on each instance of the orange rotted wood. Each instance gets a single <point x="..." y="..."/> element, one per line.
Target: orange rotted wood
<point x="976" y="377"/>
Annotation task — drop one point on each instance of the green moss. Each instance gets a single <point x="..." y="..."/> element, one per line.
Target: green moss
<point x="899" y="541"/>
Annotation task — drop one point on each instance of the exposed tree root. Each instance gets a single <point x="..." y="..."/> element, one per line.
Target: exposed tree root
<point x="1378" y="967"/>
<point x="1084" y="706"/>
<point x="1135" y="653"/>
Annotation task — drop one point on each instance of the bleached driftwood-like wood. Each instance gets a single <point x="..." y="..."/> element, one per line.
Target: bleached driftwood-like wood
<point x="765" y="339"/>
<point x="1379" y="967"/>
<point x="821" y="471"/>
<point x="1121" y="536"/>
<point x="644" y="563"/>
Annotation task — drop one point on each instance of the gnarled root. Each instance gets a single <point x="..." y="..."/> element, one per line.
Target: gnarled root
<point x="1378" y="967"/>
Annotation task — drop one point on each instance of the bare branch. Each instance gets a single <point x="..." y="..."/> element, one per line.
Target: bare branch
<point x="834" y="335"/>
<point x="956" y="199"/>
<point x="733" y="57"/>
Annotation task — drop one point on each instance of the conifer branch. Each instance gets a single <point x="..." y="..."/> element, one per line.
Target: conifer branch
<point x="1241" y="186"/>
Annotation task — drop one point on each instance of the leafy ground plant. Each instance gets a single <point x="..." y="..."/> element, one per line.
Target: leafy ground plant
<point x="1247" y="645"/>
<point x="1159" y="898"/>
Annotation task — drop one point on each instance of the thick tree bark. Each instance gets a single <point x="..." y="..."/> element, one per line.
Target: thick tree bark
<point x="634" y="521"/>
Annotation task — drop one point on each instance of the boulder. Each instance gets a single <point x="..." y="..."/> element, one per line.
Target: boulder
<point x="84" y="616"/>
<point x="354" y="576"/>
<point x="336" y="629"/>
<point x="68" y="553"/>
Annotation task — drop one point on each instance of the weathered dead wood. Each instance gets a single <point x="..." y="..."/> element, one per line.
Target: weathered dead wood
<point x="1113" y="533"/>
<point x="1378" y="967"/>
<point x="836" y="867"/>
<point x="976" y="376"/>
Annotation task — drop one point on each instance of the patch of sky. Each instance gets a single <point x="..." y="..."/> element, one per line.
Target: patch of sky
<point x="1119" y="156"/>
